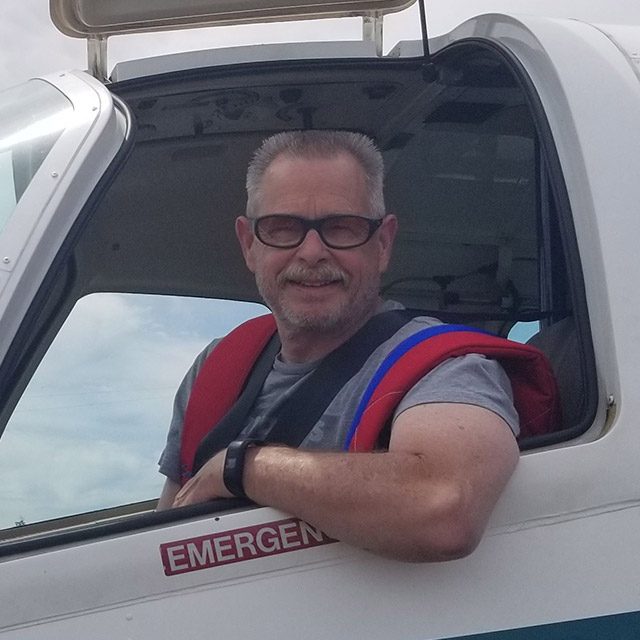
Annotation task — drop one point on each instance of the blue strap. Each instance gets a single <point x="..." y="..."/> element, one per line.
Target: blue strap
<point x="397" y="353"/>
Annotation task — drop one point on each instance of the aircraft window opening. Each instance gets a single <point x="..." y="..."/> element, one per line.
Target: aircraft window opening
<point x="484" y="240"/>
<point x="94" y="417"/>
<point x="490" y="157"/>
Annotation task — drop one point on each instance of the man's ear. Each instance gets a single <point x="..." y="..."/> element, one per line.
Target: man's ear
<point x="245" y="236"/>
<point x="386" y="236"/>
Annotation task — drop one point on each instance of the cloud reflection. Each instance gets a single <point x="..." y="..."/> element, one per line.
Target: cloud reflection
<point x="88" y="430"/>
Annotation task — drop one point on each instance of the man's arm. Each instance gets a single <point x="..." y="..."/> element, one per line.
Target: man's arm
<point x="427" y="499"/>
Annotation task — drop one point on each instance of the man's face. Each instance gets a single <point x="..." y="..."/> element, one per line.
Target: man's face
<point x="313" y="286"/>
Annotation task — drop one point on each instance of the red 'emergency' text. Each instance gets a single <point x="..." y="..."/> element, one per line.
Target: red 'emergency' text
<point x="239" y="545"/>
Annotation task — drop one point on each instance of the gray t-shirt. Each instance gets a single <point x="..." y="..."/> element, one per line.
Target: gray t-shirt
<point x="470" y="379"/>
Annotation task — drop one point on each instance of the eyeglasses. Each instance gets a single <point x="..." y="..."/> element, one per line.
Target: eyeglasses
<point x="336" y="231"/>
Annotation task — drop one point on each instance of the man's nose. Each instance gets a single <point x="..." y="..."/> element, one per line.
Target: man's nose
<point x="312" y="249"/>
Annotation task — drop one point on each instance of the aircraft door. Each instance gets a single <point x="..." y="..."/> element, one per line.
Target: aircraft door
<point x="58" y="135"/>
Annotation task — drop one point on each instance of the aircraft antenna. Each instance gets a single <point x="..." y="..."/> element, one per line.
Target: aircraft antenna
<point x="429" y="72"/>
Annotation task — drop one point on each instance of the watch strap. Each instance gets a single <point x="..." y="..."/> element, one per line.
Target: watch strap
<point x="233" y="470"/>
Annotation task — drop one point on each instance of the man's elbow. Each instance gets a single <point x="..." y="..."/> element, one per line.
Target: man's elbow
<point x="457" y="542"/>
<point x="460" y="539"/>
<point x="449" y="531"/>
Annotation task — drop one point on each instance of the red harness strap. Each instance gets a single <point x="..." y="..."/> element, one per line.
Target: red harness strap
<point x="226" y="369"/>
<point x="535" y="393"/>
<point x="219" y="383"/>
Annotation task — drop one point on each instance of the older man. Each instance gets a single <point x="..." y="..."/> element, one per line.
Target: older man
<point x="428" y="496"/>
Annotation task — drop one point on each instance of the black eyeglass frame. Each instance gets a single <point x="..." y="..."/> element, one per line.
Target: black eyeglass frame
<point x="317" y="225"/>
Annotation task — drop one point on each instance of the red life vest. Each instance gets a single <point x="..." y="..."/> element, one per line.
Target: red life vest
<point x="226" y="369"/>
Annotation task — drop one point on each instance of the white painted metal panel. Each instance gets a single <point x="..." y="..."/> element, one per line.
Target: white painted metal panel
<point x="627" y="39"/>
<point x="53" y="199"/>
<point x="116" y="588"/>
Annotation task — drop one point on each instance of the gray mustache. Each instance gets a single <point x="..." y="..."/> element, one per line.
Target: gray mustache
<point x="319" y="274"/>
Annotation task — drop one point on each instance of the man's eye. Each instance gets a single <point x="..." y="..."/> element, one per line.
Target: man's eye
<point x="344" y="227"/>
<point x="280" y="226"/>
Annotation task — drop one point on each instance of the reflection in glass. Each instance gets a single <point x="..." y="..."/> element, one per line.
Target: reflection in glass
<point x="88" y="430"/>
<point x="32" y="118"/>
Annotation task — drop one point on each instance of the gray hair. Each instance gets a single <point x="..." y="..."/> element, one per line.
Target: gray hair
<point x="319" y="144"/>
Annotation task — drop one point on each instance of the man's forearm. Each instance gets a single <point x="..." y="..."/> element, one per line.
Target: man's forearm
<point x="390" y="503"/>
<point x="428" y="498"/>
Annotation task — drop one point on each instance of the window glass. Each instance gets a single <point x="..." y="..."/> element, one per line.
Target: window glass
<point x="523" y="331"/>
<point x="7" y="188"/>
<point x="89" y="429"/>
<point x="32" y="118"/>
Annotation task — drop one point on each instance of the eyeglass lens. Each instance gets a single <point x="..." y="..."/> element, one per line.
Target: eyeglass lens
<point x="339" y="232"/>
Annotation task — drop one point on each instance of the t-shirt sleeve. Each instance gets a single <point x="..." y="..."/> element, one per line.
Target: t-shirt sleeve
<point x="470" y="379"/>
<point x="169" y="463"/>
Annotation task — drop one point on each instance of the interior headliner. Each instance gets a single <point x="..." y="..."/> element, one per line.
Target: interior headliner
<point x="461" y="174"/>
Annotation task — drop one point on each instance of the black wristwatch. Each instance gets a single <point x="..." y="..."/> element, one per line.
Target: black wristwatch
<point x="234" y="465"/>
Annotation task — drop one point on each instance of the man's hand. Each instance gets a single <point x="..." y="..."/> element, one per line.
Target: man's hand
<point x="206" y="485"/>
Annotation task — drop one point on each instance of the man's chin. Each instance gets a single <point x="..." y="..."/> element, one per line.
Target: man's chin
<point x="314" y="320"/>
<point x="333" y="314"/>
